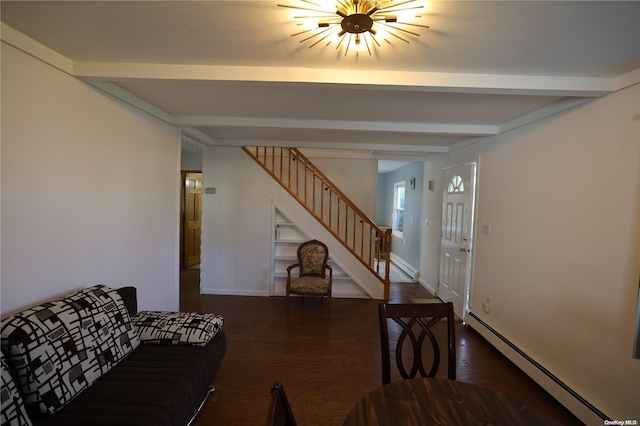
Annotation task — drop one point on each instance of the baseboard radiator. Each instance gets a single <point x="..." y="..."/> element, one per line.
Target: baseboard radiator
<point x="405" y="267"/>
<point x="585" y="405"/>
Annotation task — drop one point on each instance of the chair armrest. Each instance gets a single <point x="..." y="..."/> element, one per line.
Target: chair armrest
<point x="290" y="267"/>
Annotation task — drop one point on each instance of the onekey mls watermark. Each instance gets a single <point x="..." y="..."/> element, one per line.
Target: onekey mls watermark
<point x="628" y="422"/>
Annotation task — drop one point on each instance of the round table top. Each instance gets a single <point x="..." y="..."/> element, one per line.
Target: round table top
<point x="421" y="402"/>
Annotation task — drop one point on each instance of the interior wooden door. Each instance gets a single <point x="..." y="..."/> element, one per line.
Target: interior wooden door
<point x="192" y="219"/>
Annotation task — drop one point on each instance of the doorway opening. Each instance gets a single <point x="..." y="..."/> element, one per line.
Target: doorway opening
<point x="190" y="234"/>
<point x="191" y="165"/>
<point x="191" y="220"/>
<point x="399" y="207"/>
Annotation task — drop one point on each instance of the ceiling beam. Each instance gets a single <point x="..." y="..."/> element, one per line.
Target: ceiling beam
<point x="406" y="149"/>
<point x="34" y="48"/>
<point x="310" y="124"/>
<point x="554" y="108"/>
<point x="371" y="80"/>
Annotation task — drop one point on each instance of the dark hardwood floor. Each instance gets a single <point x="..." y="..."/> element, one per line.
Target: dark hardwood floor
<point x="327" y="362"/>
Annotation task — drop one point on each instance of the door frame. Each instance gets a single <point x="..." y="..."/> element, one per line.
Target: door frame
<point x="466" y="301"/>
<point x="183" y="177"/>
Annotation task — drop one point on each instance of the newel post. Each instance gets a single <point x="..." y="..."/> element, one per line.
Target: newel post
<point x="387" y="259"/>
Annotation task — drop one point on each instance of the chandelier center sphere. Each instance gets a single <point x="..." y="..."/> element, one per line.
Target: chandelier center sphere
<point x="356" y="23"/>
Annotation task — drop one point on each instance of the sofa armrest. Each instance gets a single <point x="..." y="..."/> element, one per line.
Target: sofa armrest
<point x="130" y="298"/>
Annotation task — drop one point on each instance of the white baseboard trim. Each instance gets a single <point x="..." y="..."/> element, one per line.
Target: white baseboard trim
<point x="233" y="292"/>
<point x="427" y="287"/>
<point x="562" y="392"/>
<point x="334" y="295"/>
<point x="405" y="267"/>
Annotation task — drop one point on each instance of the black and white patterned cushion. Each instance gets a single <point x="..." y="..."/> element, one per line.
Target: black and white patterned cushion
<point x="13" y="410"/>
<point x="176" y="328"/>
<point x="59" y="348"/>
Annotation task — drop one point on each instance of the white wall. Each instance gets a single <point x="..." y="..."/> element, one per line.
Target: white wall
<point x="191" y="160"/>
<point x="237" y="220"/>
<point x="356" y="178"/>
<point x="89" y="191"/>
<point x="561" y="263"/>
<point x="236" y="232"/>
<point x="431" y="224"/>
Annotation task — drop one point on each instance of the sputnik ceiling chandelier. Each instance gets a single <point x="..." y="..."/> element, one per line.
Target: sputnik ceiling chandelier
<point x="357" y="24"/>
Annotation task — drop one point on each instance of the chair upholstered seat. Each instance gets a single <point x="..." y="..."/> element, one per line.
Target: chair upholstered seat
<point x="310" y="285"/>
<point x="312" y="265"/>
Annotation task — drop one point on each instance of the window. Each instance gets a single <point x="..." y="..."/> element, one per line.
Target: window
<point x="398" y="208"/>
<point x="456" y="184"/>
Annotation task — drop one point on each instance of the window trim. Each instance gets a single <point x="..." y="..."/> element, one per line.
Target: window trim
<point x="395" y="208"/>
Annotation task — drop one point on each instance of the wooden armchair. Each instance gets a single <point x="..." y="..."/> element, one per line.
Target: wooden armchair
<point x="312" y="280"/>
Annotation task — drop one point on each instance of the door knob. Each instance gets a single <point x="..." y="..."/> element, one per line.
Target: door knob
<point x="463" y="249"/>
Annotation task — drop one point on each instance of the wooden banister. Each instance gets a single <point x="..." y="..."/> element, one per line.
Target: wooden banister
<point x="329" y="205"/>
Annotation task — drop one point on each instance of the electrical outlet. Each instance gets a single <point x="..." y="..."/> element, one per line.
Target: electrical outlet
<point x="486" y="306"/>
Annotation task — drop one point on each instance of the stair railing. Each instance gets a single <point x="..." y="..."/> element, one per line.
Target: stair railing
<point x="330" y="206"/>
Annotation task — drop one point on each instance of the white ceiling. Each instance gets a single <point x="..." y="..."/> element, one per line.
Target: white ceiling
<point x="229" y="72"/>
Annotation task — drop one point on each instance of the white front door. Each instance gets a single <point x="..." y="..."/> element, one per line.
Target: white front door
<point x="457" y="233"/>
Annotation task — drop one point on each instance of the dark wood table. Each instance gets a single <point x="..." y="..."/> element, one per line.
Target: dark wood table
<point x="422" y="402"/>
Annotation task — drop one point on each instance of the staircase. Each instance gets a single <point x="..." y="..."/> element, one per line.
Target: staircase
<point x="333" y="209"/>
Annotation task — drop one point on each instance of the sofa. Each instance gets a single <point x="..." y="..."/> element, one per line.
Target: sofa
<point x="91" y="358"/>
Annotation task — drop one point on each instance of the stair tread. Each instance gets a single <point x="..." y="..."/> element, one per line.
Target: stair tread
<point x="290" y="240"/>
<point x="335" y="278"/>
